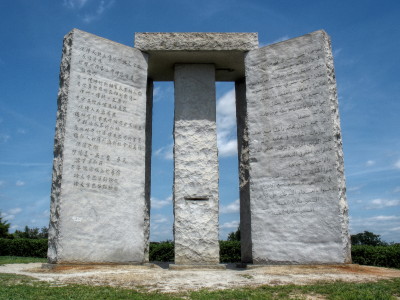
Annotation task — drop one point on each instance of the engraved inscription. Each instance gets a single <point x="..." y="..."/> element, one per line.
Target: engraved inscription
<point x="296" y="146"/>
<point x="101" y="117"/>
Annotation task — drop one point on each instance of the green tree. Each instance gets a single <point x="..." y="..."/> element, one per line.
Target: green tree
<point x="234" y="236"/>
<point x="32" y="233"/>
<point x="4" y="227"/>
<point x="367" y="238"/>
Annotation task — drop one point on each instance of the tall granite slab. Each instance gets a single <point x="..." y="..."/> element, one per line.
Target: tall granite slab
<point x="295" y="184"/>
<point x="195" y="166"/>
<point x="101" y="175"/>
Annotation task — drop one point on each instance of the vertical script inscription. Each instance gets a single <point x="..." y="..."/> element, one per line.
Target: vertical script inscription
<point x="291" y="129"/>
<point x="100" y="175"/>
<point x="105" y="130"/>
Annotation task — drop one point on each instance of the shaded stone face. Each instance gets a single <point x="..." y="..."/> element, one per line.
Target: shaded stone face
<point x="296" y="188"/>
<point x="224" y="50"/>
<point x="195" y="166"/>
<point x="99" y="209"/>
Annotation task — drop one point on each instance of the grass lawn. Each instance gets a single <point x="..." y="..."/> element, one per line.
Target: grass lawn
<point x="24" y="287"/>
<point x="20" y="260"/>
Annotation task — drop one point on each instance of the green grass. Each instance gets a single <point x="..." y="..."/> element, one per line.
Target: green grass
<point x="24" y="287"/>
<point x="20" y="260"/>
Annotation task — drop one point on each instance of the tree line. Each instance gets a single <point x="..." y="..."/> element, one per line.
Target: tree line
<point x="362" y="238"/>
<point x="27" y="233"/>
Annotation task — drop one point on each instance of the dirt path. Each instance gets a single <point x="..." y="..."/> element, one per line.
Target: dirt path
<point x="160" y="278"/>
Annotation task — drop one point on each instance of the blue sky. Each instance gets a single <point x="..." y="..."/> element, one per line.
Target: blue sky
<point x="366" y="41"/>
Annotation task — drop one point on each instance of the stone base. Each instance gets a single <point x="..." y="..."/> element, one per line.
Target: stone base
<point x="197" y="267"/>
<point x="256" y="266"/>
<point x="55" y="267"/>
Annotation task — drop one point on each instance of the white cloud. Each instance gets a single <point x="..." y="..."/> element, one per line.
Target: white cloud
<point x="382" y="203"/>
<point x="160" y="219"/>
<point x="7" y="216"/>
<point x="384" y="225"/>
<point x="161" y="228"/>
<point x="281" y="39"/>
<point x="19" y="183"/>
<point x="227" y="148"/>
<point x="226" y="124"/>
<point x="10" y="214"/>
<point x="370" y="163"/>
<point x="75" y="3"/>
<point x="230" y="225"/>
<point x="6" y="163"/>
<point x="396" y="189"/>
<point x="354" y="188"/>
<point x="101" y="8"/>
<point x="156" y="93"/>
<point x="2" y="183"/>
<point x="4" y="138"/>
<point x="165" y="152"/>
<point x="156" y="203"/>
<point x="397" y="164"/>
<point x="15" y="211"/>
<point x="336" y="52"/>
<point x="383" y="218"/>
<point x="21" y="131"/>
<point x="231" y="208"/>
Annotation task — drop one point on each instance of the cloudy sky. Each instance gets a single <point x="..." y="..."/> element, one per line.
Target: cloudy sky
<point x="366" y="41"/>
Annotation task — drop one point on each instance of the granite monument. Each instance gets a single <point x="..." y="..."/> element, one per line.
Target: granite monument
<point x="293" y="207"/>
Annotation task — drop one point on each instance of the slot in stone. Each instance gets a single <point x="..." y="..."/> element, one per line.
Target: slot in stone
<point x="197" y="198"/>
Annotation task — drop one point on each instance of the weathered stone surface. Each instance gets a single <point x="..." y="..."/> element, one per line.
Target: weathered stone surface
<point x="196" y="166"/>
<point x="224" y="50"/>
<point x="243" y="154"/>
<point x="100" y="190"/>
<point x="298" y="209"/>
<point x="196" y="41"/>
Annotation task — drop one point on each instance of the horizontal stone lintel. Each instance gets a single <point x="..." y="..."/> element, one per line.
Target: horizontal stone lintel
<point x="198" y="41"/>
<point x="223" y="49"/>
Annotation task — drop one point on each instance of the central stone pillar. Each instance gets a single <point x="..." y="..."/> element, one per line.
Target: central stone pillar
<point x="196" y="166"/>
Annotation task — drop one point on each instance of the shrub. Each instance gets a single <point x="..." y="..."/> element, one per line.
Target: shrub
<point x="163" y="251"/>
<point x="23" y="247"/>
<point x="381" y="256"/>
<point x="229" y="251"/>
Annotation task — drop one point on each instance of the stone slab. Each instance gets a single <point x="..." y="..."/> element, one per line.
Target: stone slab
<point x="196" y="41"/>
<point x="195" y="166"/>
<point x="224" y="50"/>
<point x="197" y="267"/>
<point x="243" y="155"/>
<point x="298" y="208"/>
<point x="100" y="188"/>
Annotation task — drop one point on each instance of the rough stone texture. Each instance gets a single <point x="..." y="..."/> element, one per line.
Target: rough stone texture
<point x="224" y="50"/>
<point x="243" y="154"/>
<point x="99" y="199"/>
<point x="196" y="166"/>
<point x="297" y="186"/>
<point x="196" y="41"/>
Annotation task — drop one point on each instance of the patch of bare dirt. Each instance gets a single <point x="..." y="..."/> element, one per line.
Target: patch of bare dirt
<point x="160" y="278"/>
